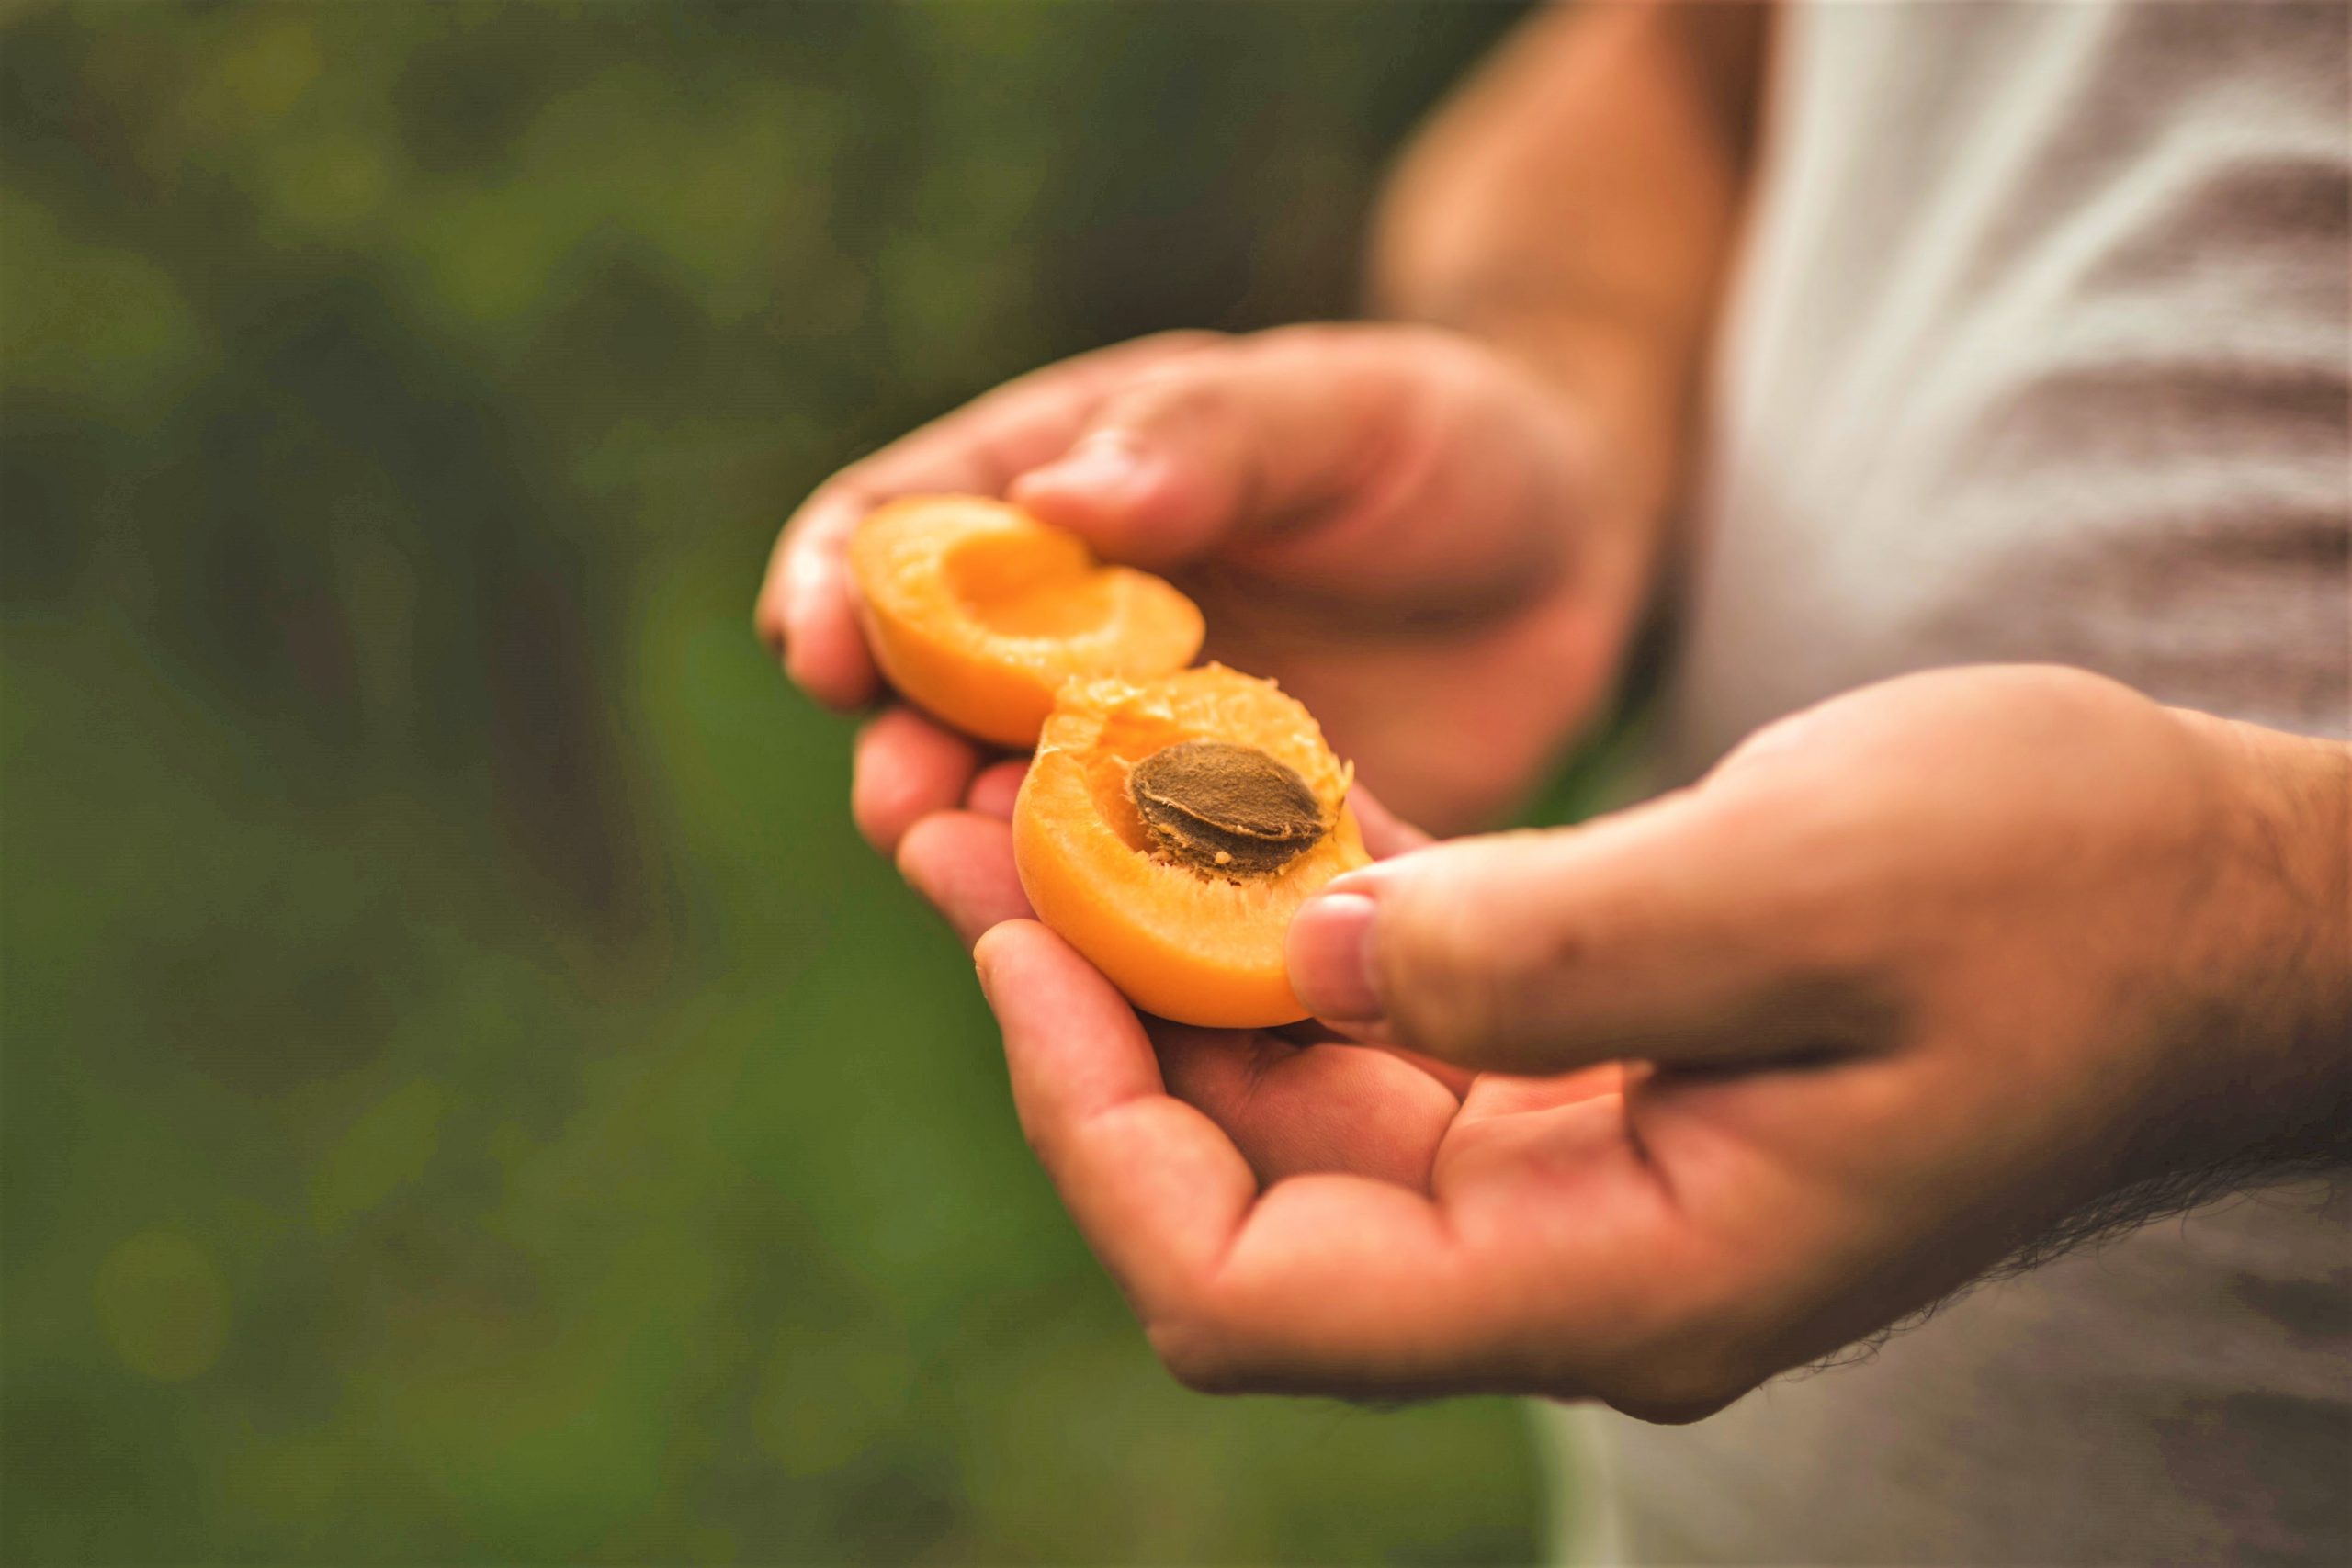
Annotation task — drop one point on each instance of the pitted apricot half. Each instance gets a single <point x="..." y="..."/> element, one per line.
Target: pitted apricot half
<point x="1169" y="830"/>
<point x="978" y="613"/>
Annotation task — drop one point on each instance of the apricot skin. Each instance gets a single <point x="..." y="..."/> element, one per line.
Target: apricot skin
<point x="976" y="613"/>
<point x="1189" y="946"/>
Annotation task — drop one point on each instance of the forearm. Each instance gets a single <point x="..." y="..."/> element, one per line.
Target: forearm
<point x="1576" y="206"/>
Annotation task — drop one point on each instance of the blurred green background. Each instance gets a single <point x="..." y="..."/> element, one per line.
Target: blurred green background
<point x="468" y="1094"/>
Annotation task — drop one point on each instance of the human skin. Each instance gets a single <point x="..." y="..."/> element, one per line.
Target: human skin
<point x="1285" y="481"/>
<point x="1916" y="978"/>
<point x="1436" y="534"/>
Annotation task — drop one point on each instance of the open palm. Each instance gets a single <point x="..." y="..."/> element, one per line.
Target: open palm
<point x="1363" y="1212"/>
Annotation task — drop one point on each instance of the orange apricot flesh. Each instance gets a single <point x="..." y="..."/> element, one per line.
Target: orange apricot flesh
<point x="1187" y="943"/>
<point x="978" y="613"/>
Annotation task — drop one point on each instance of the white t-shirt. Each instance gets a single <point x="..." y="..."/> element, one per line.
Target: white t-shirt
<point x="2040" y="352"/>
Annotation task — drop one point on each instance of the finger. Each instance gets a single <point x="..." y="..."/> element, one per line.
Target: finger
<point x="1247" y="434"/>
<point x="1161" y="1194"/>
<point x="1291" y="1110"/>
<point x="997" y="787"/>
<point x="807" y="610"/>
<point x="1384" y="832"/>
<point x="1153" y="1184"/>
<point x="962" y="863"/>
<point x="1457" y="1080"/>
<point x="1329" y="1282"/>
<point x="906" y="768"/>
<point x="1315" y="1031"/>
<point x="1690" y="931"/>
<point x="1322" y="453"/>
<point x="1500" y="1094"/>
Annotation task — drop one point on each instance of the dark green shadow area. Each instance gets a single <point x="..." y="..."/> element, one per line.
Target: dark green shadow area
<point x="467" y="1096"/>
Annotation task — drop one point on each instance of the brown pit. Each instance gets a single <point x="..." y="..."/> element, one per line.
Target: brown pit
<point x="1224" y="810"/>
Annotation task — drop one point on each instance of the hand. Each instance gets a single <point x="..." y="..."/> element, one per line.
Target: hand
<point x="1920" y="977"/>
<point x="1414" y="534"/>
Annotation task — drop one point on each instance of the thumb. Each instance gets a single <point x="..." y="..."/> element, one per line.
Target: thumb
<point x="1670" y="933"/>
<point x="1223" y="441"/>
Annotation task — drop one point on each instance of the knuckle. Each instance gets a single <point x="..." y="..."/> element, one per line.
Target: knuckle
<point x="1193" y="390"/>
<point x="822" y="523"/>
<point x="858" y="483"/>
<point x="1442" y="998"/>
<point x="1467" y="980"/>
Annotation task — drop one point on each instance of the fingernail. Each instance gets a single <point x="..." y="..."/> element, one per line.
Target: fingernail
<point x="1330" y="954"/>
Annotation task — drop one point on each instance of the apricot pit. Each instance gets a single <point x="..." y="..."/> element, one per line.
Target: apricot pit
<point x="1225" y="809"/>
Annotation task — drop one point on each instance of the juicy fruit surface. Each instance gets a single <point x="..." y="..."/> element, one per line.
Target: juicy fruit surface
<point x="1201" y="946"/>
<point x="978" y="613"/>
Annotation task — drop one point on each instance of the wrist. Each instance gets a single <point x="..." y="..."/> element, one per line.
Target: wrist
<point x="2279" y="1036"/>
<point x="1614" y="405"/>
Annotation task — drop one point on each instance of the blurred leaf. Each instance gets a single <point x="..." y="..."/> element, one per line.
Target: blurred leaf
<point x="164" y="1304"/>
<point x="468" y="1094"/>
<point x="387" y="1150"/>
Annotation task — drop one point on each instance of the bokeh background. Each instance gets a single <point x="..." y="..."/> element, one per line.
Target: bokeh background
<point x="468" y="1094"/>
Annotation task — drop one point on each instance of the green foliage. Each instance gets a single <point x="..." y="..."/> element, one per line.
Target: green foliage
<point x="468" y="1095"/>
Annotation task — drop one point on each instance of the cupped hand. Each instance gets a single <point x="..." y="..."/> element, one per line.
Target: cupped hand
<point x="1147" y="1125"/>
<point x="1416" y="535"/>
<point x="1915" y="980"/>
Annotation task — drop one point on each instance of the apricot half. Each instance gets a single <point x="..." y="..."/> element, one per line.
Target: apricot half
<point x="1169" y="830"/>
<point x="978" y="613"/>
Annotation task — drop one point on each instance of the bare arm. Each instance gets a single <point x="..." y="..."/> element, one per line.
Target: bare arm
<point x="1554" y="245"/>
<point x="1576" y="206"/>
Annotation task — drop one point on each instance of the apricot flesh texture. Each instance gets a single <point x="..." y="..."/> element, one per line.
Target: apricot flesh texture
<point x="1200" y="943"/>
<point x="976" y="613"/>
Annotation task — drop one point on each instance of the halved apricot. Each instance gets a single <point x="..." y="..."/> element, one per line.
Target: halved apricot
<point x="1169" y="830"/>
<point x="978" y="613"/>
